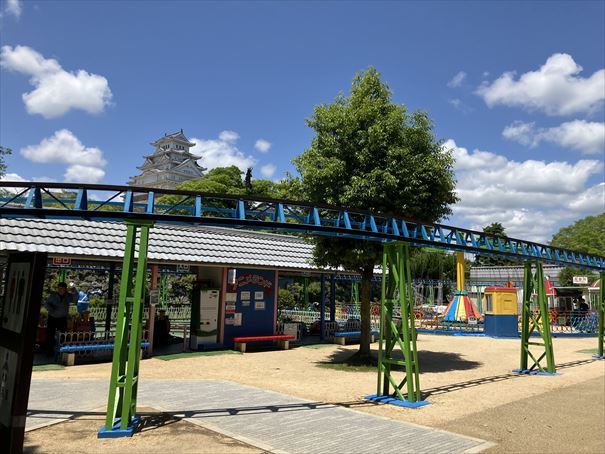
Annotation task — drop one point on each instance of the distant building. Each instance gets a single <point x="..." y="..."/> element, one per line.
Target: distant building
<point x="171" y="163"/>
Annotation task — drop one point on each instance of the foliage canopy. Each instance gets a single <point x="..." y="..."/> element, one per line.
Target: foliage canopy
<point x="586" y="235"/>
<point x="371" y="154"/>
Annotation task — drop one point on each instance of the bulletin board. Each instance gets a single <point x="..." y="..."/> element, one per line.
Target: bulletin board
<point x="249" y="305"/>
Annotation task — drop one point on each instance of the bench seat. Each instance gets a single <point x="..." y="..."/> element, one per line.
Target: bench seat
<point x="340" y="337"/>
<point x="283" y="341"/>
<point x="68" y="352"/>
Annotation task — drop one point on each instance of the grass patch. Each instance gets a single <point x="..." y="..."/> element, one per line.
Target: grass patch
<point x="353" y="363"/>
<point x="317" y="346"/>
<point x="594" y="351"/>
<point x="43" y="367"/>
<point x="194" y="354"/>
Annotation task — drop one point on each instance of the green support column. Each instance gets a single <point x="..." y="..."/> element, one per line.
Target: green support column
<point x="355" y="293"/>
<point x="397" y="334"/>
<point x="601" y="315"/>
<point x="534" y="282"/>
<point x="122" y="402"/>
<point x="306" y="293"/>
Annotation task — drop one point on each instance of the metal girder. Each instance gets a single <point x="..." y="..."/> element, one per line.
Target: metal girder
<point x="601" y="315"/>
<point x="397" y="334"/>
<point x="123" y="384"/>
<point x="535" y="321"/>
<point x="100" y="202"/>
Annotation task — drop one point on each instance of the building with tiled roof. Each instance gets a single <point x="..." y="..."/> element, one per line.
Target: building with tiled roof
<point x="170" y="164"/>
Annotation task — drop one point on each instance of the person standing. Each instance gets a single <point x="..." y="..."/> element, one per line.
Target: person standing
<point x="57" y="305"/>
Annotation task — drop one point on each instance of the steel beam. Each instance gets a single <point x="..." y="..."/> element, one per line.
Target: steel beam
<point x="121" y="417"/>
<point x="397" y="334"/>
<point x="535" y="321"/>
<point x="601" y="314"/>
<point x="45" y="200"/>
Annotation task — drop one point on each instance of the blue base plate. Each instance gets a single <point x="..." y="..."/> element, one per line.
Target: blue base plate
<point x="116" y="432"/>
<point x="392" y="401"/>
<point x="534" y="372"/>
<point x="598" y="357"/>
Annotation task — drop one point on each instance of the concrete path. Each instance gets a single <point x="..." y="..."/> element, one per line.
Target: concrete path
<point x="268" y="420"/>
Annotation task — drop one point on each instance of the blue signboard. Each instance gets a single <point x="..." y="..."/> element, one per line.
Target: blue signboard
<point x="249" y="308"/>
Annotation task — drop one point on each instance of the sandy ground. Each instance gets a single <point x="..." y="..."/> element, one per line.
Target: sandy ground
<point x="159" y="434"/>
<point x="466" y="379"/>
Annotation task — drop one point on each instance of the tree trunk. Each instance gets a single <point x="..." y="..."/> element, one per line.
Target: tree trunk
<point x="365" y="312"/>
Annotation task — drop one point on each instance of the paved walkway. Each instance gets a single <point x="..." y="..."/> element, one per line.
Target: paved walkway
<point x="264" y="419"/>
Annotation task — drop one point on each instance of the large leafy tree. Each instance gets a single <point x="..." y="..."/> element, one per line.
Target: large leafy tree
<point x="494" y="229"/>
<point x="371" y="154"/>
<point x="586" y="235"/>
<point x="228" y="180"/>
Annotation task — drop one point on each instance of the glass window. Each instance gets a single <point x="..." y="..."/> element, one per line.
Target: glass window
<point x="489" y="304"/>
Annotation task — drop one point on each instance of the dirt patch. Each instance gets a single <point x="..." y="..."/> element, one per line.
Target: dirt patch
<point x="460" y="376"/>
<point x="159" y="433"/>
<point x="570" y="419"/>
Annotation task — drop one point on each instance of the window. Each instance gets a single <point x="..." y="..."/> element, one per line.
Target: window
<point x="489" y="304"/>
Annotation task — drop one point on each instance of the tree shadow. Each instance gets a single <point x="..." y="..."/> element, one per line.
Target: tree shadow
<point x="429" y="361"/>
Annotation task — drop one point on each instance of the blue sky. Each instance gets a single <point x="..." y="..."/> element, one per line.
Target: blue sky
<point x="516" y="89"/>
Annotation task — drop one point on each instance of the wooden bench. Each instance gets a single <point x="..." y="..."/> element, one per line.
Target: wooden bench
<point x="283" y="341"/>
<point x="340" y="337"/>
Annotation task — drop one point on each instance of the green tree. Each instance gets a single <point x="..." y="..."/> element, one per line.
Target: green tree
<point x="228" y="180"/>
<point x="369" y="153"/>
<point x="433" y="264"/>
<point x="586" y="235"/>
<point x="494" y="229"/>
<point x="220" y="180"/>
<point x="248" y="181"/>
<point x="4" y="151"/>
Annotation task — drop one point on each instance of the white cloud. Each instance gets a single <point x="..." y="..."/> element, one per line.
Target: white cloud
<point x="84" y="174"/>
<point x="530" y="198"/>
<point x="556" y="88"/>
<point x="587" y="137"/>
<point x="459" y="105"/>
<point x="221" y="152"/>
<point x="262" y="145"/>
<point x="56" y="91"/>
<point x="14" y="7"/>
<point x="228" y="136"/>
<point x="268" y="170"/>
<point x="85" y="164"/>
<point x="457" y="80"/>
<point x="11" y="177"/>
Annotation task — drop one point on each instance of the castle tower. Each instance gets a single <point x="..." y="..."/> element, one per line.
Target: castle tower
<point x="171" y="163"/>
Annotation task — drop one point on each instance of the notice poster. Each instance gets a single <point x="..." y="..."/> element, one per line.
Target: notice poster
<point x="259" y="296"/>
<point x="230" y="297"/>
<point x="229" y="321"/>
<point x="244" y="295"/>
<point x="229" y="308"/>
<point x="237" y="319"/>
<point x="245" y="303"/>
<point x="14" y="298"/>
<point x="259" y="305"/>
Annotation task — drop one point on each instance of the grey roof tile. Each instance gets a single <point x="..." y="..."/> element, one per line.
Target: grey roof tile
<point x="195" y="245"/>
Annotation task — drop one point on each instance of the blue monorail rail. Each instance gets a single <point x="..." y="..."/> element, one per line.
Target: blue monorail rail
<point x="118" y="203"/>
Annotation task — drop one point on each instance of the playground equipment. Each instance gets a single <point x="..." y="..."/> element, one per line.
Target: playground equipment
<point x="45" y="200"/>
<point x="461" y="308"/>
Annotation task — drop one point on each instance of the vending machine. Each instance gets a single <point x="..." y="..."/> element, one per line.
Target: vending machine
<point x="209" y="308"/>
